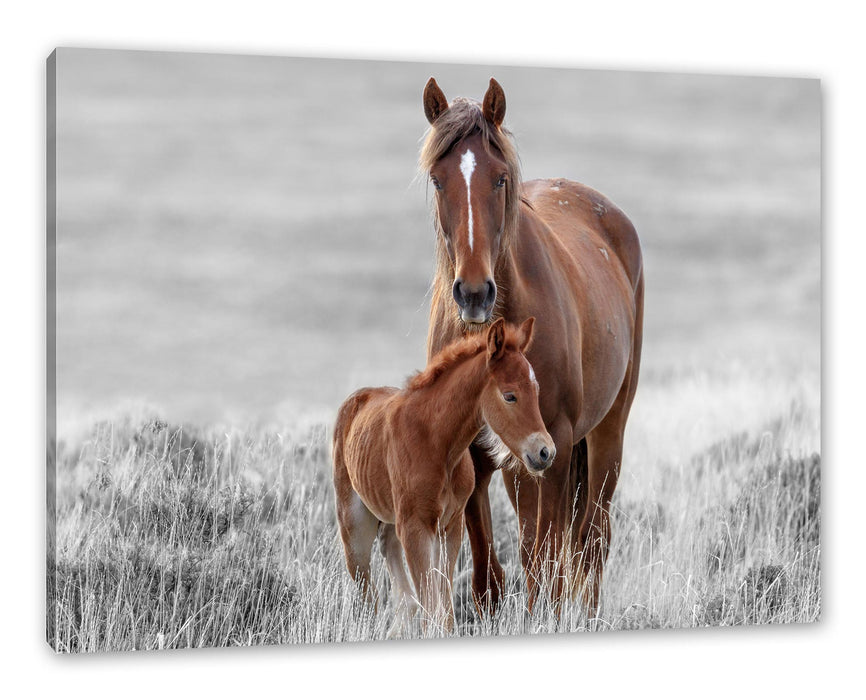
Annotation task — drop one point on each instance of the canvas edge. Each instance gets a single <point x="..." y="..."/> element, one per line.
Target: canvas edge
<point x="50" y="347"/>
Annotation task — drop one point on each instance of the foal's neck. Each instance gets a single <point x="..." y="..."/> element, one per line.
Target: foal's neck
<point x="456" y="415"/>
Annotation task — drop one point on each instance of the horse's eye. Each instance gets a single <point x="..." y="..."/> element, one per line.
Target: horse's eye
<point x="509" y="397"/>
<point x="501" y="182"/>
<point x="435" y="183"/>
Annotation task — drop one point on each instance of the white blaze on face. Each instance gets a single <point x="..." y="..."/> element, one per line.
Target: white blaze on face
<point x="467" y="167"/>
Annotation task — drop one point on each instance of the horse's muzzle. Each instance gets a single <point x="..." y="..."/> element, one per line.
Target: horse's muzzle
<point x="474" y="300"/>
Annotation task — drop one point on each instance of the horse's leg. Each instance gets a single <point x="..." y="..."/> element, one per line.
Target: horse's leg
<point x="358" y="528"/>
<point x="546" y="567"/>
<point x="577" y="508"/>
<point x="405" y="606"/>
<point x="487" y="576"/>
<point x="604" y="446"/>
<point x="605" y="459"/>
<point x="522" y="490"/>
<point x="539" y="502"/>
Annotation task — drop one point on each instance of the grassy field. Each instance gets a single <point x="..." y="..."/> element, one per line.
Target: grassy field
<point x="181" y="536"/>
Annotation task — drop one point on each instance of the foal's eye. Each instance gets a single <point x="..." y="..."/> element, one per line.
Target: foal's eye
<point x="436" y="183"/>
<point x="509" y="397"/>
<point x="501" y="182"/>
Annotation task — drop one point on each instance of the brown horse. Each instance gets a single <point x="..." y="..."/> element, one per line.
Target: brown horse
<point x="402" y="467"/>
<point x="563" y="253"/>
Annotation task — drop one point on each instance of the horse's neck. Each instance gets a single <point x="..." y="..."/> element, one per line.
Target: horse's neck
<point x="511" y="294"/>
<point x="457" y="415"/>
<point x="508" y="288"/>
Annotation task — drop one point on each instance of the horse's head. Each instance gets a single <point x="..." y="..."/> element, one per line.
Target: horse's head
<point x="473" y="167"/>
<point x="510" y="401"/>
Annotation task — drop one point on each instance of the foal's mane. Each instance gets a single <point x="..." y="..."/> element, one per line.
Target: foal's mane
<point x="448" y="357"/>
<point x="457" y="352"/>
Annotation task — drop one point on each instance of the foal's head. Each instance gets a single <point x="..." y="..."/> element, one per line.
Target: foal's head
<point x="510" y="400"/>
<point x="473" y="167"/>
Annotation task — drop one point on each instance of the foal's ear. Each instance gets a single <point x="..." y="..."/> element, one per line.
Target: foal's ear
<point x="526" y="331"/>
<point x="434" y="101"/>
<point x="494" y="104"/>
<point x="496" y="340"/>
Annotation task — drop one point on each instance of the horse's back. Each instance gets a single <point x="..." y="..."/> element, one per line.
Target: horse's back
<point x="570" y="208"/>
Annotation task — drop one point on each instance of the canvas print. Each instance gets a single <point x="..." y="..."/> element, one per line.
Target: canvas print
<point x="350" y="350"/>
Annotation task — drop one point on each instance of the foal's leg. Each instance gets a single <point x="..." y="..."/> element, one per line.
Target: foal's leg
<point x="425" y="555"/>
<point x="405" y="606"/>
<point x="358" y="528"/>
<point x="453" y="540"/>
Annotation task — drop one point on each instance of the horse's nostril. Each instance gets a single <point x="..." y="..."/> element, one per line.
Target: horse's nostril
<point x="491" y="294"/>
<point x="457" y="292"/>
<point x="544" y="454"/>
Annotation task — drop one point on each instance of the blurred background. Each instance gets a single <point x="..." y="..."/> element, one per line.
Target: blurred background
<point x="246" y="238"/>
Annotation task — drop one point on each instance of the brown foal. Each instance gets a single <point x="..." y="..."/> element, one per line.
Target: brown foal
<point x="402" y="467"/>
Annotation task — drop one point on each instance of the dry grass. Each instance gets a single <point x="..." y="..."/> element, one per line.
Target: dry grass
<point x="173" y="537"/>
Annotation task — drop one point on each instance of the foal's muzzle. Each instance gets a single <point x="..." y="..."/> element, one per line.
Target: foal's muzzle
<point x="538" y="453"/>
<point x="474" y="300"/>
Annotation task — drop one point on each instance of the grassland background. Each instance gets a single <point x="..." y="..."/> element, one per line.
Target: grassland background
<point x="240" y="243"/>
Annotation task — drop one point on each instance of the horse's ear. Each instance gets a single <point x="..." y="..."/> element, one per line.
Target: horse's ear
<point x="494" y="104"/>
<point x="496" y="340"/>
<point x="434" y="101"/>
<point x="526" y="331"/>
